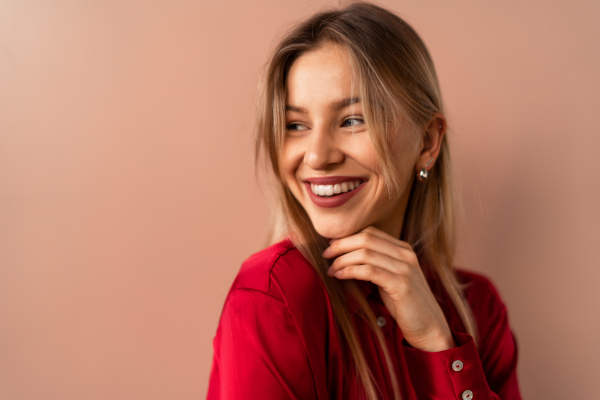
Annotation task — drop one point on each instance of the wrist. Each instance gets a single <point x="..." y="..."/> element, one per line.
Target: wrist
<point x="437" y="342"/>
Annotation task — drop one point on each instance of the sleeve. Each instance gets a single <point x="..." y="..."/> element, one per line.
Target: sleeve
<point x="465" y="372"/>
<point x="258" y="351"/>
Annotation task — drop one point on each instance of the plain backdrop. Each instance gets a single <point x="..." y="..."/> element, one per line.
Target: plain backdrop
<point x="128" y="196"/>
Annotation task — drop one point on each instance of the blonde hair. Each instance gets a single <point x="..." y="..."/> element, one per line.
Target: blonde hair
<point x="398" y="82"/>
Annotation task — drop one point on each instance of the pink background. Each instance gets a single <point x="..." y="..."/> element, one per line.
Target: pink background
<point x="128" y="198"/>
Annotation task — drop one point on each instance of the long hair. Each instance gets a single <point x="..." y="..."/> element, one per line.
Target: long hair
<point x="398" y="81"/>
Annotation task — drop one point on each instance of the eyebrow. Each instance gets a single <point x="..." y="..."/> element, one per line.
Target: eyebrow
<point x="335" y="106"/>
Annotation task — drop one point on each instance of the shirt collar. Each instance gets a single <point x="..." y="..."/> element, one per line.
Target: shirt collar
<point x="367" y="289"/>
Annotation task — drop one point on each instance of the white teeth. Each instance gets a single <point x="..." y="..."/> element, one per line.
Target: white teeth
<point x="330" y="190"/>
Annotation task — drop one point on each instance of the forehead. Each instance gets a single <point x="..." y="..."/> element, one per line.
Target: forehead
<point x="326" y="73"/>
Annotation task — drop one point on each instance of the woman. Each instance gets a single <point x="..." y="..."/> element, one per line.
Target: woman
<point x="360" y="299"/>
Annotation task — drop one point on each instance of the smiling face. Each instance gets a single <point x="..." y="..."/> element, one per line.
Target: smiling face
<point x="328" y="158"/>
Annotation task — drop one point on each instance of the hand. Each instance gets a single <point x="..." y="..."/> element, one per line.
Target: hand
<point x="391" y="264"/>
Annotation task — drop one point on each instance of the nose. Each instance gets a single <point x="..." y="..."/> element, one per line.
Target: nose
<point x="323" y="149"/>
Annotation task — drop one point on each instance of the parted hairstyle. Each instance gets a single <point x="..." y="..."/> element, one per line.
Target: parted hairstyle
<point x="397" y="82"/>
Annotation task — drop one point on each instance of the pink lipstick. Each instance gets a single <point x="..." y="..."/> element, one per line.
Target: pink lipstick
<point x="326" y="196"/>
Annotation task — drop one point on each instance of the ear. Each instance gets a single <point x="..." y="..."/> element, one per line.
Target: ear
<point x="432" y="142"/>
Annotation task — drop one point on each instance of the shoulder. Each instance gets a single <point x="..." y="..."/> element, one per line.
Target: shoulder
<point x="275" y="323"/>
<point x="255" y="272"/>
<point x="478" y="289"/>
<point x="485" y="301"/>
<point x="281" y="271"/>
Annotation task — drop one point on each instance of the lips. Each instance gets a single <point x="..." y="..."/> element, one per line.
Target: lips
<point x="333" y="191"/>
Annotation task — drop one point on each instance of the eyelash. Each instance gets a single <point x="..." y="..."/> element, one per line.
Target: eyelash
<point x="293" y="126"/>
<point x="360" y="121"/>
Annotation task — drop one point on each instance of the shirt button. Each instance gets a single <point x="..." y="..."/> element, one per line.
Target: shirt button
<point x="467" y="395"/>
<point x="381" y="322"/>
<point x="457" y="365"/>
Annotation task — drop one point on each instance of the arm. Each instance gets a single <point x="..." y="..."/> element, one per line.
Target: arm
<point x="431" y="345"/>
<point x="458" y="373"/>
<point x="258" y="352"/>
<point x="488" y="372"/>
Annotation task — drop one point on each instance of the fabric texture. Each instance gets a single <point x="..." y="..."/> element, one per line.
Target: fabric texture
<point x="277" y="339"/>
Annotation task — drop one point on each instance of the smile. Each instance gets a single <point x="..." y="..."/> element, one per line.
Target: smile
<point x="331" y="190"/>
<point x="334" y="191"/>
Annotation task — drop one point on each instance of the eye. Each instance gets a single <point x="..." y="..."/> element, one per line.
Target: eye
<point x="295" y="126"/>
<point x="352" y="122"/>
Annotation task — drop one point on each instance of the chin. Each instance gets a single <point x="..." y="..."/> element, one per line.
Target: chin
<point x="335" y="232"/>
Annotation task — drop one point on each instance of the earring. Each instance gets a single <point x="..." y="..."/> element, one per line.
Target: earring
<point x="423" y="174"/>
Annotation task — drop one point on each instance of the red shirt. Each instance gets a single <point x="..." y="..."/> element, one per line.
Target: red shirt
<point x="277" y="340"/>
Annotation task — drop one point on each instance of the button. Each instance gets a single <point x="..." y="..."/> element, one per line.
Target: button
<point x="457" y="365"/>
<point x="381" y="322"/>
<point x="467" y="395"/>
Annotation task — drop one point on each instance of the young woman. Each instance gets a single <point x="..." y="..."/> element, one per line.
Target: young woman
<point x="360" y="299"/>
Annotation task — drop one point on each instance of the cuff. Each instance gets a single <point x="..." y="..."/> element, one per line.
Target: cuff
<point x="450" y="374"/>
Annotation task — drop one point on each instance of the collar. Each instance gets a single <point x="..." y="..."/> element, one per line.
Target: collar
<point x="366" y="289"/>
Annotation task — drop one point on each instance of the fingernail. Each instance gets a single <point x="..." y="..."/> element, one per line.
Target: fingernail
<point x="338" y="273"/>
<point x="329" y="271"/>
<point x="326" y="252"/>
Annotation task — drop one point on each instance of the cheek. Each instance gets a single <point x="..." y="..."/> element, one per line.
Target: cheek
<point x="360" y="149"/>
<point x="370" y="159"/>
<point x="406" y="152"/>
<point x="291" y="158"/>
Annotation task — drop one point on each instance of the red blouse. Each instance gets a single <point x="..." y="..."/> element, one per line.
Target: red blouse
<point x="277" y="340"/>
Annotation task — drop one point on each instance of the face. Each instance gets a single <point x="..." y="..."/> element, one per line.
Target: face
<point x="329" y="161"/>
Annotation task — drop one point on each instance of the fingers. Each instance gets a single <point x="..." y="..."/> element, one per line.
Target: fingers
<point x="369" y="257"/>
<point x="374" y="232"/>
<point x="379" y="276"/>
<point x="372" y="239"/>
<point x="385" y="236"/>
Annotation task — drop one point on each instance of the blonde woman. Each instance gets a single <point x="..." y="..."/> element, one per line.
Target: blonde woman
<point x="360" y="299"/>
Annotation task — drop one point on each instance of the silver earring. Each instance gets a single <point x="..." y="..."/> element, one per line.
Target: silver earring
<point x="423" y="174"/>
